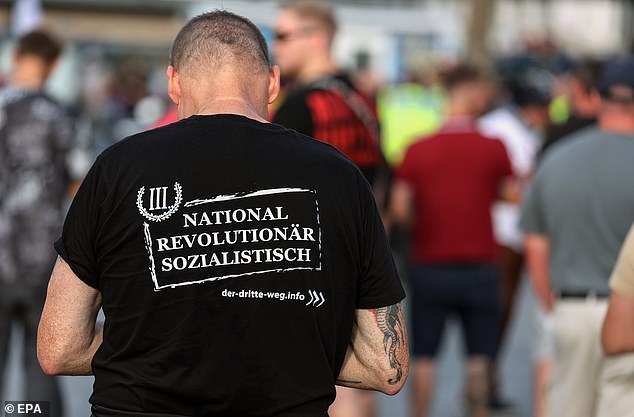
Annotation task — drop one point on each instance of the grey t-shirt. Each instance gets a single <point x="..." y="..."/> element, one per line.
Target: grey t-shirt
<point x="582" y="199"/>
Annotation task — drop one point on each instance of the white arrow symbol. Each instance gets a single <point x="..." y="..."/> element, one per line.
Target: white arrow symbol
<point x="315" y="298"/>
<point x="323" y="300"/>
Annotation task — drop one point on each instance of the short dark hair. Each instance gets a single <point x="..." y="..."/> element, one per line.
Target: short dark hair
<point x="209" y="39"/>
<point x="588" y="72"/>
<point x="462" y="74"/>
<point x="40" y="44"/>
<point x="314" y="10"/>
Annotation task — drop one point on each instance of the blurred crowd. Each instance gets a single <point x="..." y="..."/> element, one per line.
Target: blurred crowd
<point x="485" y="176"/>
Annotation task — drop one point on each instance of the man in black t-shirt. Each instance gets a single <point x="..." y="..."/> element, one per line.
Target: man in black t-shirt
<point x="242" y="267"/>
<point x="322" y="102"/>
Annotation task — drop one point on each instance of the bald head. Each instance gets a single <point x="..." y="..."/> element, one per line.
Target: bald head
<point x="214" y="39"/>
<point x="220" y="64"/>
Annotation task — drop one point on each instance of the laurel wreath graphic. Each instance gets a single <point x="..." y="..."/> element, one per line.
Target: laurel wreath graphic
<point x="171" y="210"/>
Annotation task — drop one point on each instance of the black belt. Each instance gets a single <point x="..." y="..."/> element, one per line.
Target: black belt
<point x="581" y="294"/>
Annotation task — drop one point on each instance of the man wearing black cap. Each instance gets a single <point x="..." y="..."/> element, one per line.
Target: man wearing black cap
<point x="576" y="216"/>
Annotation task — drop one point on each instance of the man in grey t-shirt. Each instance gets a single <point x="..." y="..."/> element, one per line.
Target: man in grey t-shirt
<point x="575" y="219"/>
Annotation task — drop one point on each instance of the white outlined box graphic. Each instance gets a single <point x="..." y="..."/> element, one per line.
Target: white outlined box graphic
<point x="229" y="236"/>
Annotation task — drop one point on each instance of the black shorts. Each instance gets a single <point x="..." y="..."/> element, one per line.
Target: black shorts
<point x="469" y="291"/>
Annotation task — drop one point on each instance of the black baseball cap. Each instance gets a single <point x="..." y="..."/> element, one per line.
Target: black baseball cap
<point x="532" y="87"/>
<point x="617" y="80"/>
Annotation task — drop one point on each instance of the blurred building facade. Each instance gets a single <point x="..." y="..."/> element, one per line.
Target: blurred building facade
<point x="397" y="35"/>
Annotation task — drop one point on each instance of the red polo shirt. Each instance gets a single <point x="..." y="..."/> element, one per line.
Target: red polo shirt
<point x="455" y="175"/>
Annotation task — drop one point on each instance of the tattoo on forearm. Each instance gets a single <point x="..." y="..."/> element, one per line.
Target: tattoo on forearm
<point x="388" y="320"/>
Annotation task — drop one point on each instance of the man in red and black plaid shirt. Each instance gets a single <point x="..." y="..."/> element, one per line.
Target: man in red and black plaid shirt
<point x="323" y="103"/>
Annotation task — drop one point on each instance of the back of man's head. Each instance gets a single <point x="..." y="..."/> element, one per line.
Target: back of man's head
<point x="215" y="39"/>
<point x="469" y="89"/>
<point x="460" y="75"/>
<point x="315" y="12"/>
<point x="39" y="44"/>
<point x="617" y="91"/>
<point x="587" y="73"/>
<point x="584" y="96"/>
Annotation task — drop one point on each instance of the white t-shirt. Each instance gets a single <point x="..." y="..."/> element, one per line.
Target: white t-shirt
<point x="521" y="145"/>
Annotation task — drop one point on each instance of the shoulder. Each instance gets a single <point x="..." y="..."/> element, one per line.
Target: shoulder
<point x="488" y="146"/>
<point x="572" y="146"/>
<point x="565" y="154"/>
<point x="294" y="98"/>
<point x="504" y="124"/>
<point x="319" y="158"/>
<point x="313" y="148"/>
<point x="145" y="139"/>
<point x="500" y="123"/>
<point x="11" y="95"/>
<point x="422" y="143"/>
<point x="294" y="112"/>
<point x="23" y="108"/>
<point x="497" y="116"/>
<point x="491" y="141"/>
<point x="47" y="107"/>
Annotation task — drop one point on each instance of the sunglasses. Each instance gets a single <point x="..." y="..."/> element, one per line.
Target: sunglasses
<point x="285" y="36"/>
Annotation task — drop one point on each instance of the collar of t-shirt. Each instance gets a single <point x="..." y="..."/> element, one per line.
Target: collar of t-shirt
<point x="462" y="124"/>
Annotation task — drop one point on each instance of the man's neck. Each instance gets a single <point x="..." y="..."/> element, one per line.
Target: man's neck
<point x="28" y="77"/>
<point x="618" y="128"/>
<point x="316" y="69"/>
<point x="27" y="83"/>
<point x="616" y="120"/>
<point x="460" y="113"/>
<point x="221" y="105"/>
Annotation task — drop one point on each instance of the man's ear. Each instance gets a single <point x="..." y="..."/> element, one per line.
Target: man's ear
<point x="274" y="83"/>
<point x="173" y="85"/>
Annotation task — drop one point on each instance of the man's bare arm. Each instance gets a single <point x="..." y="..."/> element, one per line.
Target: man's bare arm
<point x="537" y="249"/>
<point x="67" y="336"/>
<point x="617" y="335"/>
<point x="401" y="209"/>
<point x="378" y="354"/>
<point x="510" y="191"/>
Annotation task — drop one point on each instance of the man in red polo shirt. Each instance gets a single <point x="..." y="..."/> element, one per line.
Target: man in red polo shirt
<point x="445" y="188"/>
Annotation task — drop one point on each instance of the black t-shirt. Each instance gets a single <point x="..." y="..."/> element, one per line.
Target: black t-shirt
<point x="331" y="110"/>
<point x="231" y="255"/>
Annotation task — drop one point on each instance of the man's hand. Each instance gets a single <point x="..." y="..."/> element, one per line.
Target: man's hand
<point x="537" y="249"/>
<point x="401" y="210"/>
<point x="617" y="335"/>
<point x="67" y="337"/>
<point x="510" y="191"/>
